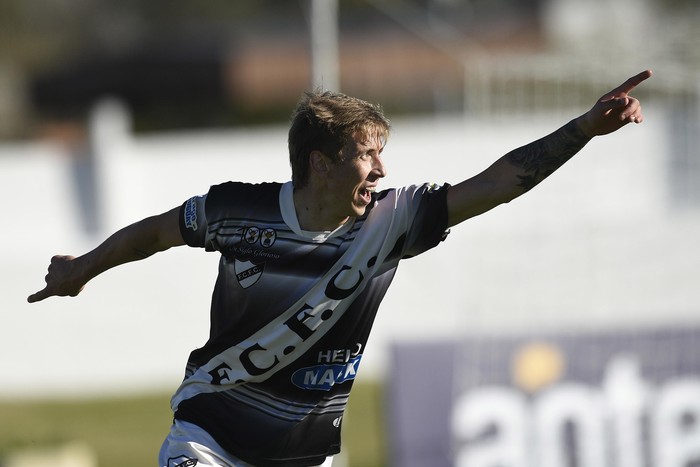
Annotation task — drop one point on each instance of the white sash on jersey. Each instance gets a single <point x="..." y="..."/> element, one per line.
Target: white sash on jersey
<point x="299" y="327"/>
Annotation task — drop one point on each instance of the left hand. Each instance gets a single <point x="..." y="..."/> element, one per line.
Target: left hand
<point x="615" y="109"/>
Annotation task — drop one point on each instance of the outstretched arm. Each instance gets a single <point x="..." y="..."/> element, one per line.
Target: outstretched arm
<point x="522" y="169"/>
<point x="68" y="275"/>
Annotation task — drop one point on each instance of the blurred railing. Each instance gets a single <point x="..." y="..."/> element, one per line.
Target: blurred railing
<point x="520" y="84"/>
<point x="559" y="87"/>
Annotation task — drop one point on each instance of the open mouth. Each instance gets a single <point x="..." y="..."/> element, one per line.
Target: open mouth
<point x="366" y="193"/>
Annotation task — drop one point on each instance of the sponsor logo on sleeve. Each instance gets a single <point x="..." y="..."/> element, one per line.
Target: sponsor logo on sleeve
<point x="191" y="213"/>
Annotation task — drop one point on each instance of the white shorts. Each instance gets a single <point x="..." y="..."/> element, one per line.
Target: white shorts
<point x="187" y="445"/>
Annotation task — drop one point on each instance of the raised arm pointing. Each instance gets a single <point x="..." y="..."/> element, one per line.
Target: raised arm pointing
<point x="522" y="169"/>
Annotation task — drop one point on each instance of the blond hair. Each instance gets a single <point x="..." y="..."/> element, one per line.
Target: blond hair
<point x="325" y="121"/>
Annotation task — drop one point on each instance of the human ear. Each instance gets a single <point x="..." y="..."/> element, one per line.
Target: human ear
<point x="318" y="162"/>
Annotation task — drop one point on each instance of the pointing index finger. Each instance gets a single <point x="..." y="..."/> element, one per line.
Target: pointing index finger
<point x="38" y="296"/>
<point x="627" y="86"/>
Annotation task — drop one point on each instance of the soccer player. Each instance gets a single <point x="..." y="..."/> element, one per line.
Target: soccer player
<point x="303" y="268"/>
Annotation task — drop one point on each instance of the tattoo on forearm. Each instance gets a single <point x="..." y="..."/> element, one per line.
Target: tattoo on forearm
<point x="539" y="159"/>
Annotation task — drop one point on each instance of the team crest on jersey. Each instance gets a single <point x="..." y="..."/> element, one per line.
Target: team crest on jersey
<point x="247" y="272"/>
<point x="182" y="461"/>
<point x="249" y="262"/>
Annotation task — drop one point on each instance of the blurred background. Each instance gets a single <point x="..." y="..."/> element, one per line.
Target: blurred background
<point x="561" y="329"/>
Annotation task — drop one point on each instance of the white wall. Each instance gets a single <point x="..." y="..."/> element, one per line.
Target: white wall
<point x="598" y="244"/>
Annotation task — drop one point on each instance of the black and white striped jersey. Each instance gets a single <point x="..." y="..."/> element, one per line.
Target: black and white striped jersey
<point x="291" y="313"/>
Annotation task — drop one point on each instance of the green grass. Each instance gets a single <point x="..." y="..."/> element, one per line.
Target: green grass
<point x="364" y="427"/>
<point x="129" y="431"/>
<point x="119" y="431"/>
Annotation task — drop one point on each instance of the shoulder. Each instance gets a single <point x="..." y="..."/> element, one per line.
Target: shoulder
<point x="229" y="189"/>
<point x="239" y="193"/>
<point x="240" y="200"/>
<point x="411" y="195"/>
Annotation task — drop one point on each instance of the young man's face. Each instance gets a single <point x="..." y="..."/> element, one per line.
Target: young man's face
<point x="353" y="180"/>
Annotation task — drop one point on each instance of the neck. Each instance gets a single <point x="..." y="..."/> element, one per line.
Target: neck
<point x="313" y="212"/>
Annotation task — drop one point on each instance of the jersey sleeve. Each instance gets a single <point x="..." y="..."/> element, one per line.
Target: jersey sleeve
<point x="428" y="226"/>
<point x="193" y="221"/>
